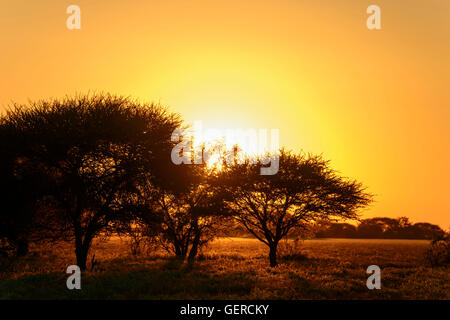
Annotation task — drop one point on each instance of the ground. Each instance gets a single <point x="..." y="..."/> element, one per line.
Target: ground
<point x="232" y="268"/>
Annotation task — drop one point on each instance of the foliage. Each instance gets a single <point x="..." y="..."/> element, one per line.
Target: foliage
<point x="94" y="151"/>
<point x="439" y="252"/>
<point x="379" y="228"/>
<point x="189" y="210"/>
<point x="304" y="189"/>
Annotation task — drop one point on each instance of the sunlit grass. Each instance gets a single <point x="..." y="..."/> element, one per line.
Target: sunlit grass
<point x="232" y="268"/>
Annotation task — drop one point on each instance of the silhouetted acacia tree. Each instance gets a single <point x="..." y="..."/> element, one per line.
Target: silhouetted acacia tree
<point x="95" y="150"/>
<point x="303" y="190"/>
<point x="188" y="208"/>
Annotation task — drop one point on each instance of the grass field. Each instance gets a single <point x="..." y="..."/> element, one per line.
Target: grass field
<point x="232" y="268"/>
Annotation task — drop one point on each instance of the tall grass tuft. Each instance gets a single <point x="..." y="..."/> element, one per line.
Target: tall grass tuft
<point x="439" y="252"/>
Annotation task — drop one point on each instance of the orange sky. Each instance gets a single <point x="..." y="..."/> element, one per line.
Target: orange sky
<point x="373" y="102"/>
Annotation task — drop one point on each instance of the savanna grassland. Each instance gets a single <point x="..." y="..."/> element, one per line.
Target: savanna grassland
<point x="231" y="268"/>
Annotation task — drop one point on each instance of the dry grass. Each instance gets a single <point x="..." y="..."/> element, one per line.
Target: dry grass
<point x="232" y="268"/>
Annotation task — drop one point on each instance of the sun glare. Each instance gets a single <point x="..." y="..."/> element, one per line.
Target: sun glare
<point x="215" y="161"/>
<point x="217" y="146"/>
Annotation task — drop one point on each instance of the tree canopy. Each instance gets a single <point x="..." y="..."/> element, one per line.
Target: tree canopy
<point x="305" y="189"/>
<point x="94" y="151"/>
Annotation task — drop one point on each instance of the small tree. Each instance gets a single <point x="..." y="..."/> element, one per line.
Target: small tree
<point x="304" y="189"/>
<point x="188" y="209"/>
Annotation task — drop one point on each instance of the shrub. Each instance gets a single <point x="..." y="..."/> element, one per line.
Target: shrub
<point x="290" y="250"/>
<point x="439" y="252"/>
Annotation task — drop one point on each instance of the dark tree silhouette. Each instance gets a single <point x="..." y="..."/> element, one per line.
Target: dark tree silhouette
<point x="21" y="187"/>
<point x="95" y="150"/>
<point x="379" y="228"/>
<point x="188" y="208"/>
<point x="17" y="211"/>
<point x="335" y="230"/>
<point x="304" y="189"/>
<point x="424" y="230"/>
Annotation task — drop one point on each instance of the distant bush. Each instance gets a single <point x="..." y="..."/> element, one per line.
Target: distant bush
<point x="439" y="252"/>
<point x="379" y="228"/>
<point x="139" y="243"/>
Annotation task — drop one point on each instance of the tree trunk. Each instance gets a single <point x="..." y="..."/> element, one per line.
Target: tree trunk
<point x="81" y="245"/>
<point x="82" y="250"/>
<point x="81" y="254"/>
<point x="194" y="248"/>
<point x="180" y="252"/>
<point x="273" y="255"/>
<point x="177" y="250"/>
<point x="22" y="247"/>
